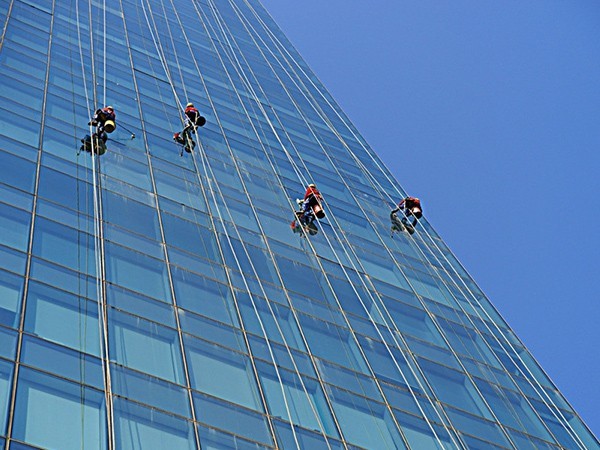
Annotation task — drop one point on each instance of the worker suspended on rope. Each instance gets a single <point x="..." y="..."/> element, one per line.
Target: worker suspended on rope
<point x="193" y="121"/>
<point x="104" y="119"/>
<point x="397" y="224"/>
<point x="184" y="138"/>
<point x="310" y="209"/>
<point x="105" y="122"/>
<point x="311" y="206"/>
<point x="95" y="143"/>
<point x="194" y="118"/>
<point x="411" y="207"/>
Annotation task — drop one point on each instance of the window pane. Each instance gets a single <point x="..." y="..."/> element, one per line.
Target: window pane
<point x="131" y="215"/>
<point x="414" y="321"/>
<point x="12" y="260"/>
<point x="349" y="380"/>
<point x="48" y="309"/>
<point x="306" y="439"/>
<point x="222" y="373"/>
<point x="231" y="418"/>
<point x="11" y="290"/>
<point x="62" y="361"/>
<point x="145" y="346"/>
<point x="177" y="188"/>
<point x="204" y="296"/>
<point x="6" y="372"/>
<point x="275" y="319"/>
<point x="304" y="399"/>
<point x="149" y="390"/>
<point x="14" y="227"/>
<point x="14" y="171"/>
<point x="140" y="305"/>
<point x="64" y="245"/>
<point x="213" y="331"/>
<point x="454" y="388"/>
<point x="211" y="439"/>
<point x="8" y="343"/>
<point x="126" y="170"/>
<point x="477" y="426"/>
<point x="419" y="434"/>
<point x="140" y="243"/>
<point x="45" y="404"/>
<point x="138" y="428"/>
<point x="513" y="410"/>
<point x="137" y="272"/>
<point x="190" y="236"/>
<point x="365" y="423"/>
<point x="281" y="354"/>
<point x="63" y="278"/>
<point x="66" y="190"/>
<point x="332" y="343"/>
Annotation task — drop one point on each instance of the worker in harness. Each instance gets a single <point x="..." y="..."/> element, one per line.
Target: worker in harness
<point x="104" y="119"/>
<point x="411" y="206"/>
<point x="105" y="122"/>
<point x="311" y="206"/>
<point x="193" y="121"/>
<point x="193" y="116"/>
<point x="95" y="143"/>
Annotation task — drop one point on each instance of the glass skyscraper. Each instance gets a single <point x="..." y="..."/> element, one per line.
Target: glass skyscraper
<point x="154" y="298"/>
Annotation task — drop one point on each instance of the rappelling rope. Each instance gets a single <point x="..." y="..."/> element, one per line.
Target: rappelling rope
<point x="98" y="243"/>
<point x="82" y="328"/>
<point x="184" y="358"/>
<point x="163" y="60"/>
<point x="104" y="52"/>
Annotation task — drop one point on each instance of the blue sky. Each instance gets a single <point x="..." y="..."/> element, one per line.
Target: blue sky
<point x="489" y="112"/>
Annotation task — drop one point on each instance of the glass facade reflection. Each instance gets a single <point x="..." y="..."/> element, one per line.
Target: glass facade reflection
<point x="152" y="298"/>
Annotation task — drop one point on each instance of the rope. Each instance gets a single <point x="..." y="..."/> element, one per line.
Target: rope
<point x="492" y="334"/>
<point x="98" y="247"/>
<point x="104" y="52"/>
<point x="163" y="60"/>
<point x="186" y="372"/>
<point x="174" y="53"/>
<point x="162" y="57"/>
<point x="82" y="328"/>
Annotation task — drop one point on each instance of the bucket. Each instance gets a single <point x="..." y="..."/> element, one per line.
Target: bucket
<point x="109" y="126"/>
<point x="318" y="211"/>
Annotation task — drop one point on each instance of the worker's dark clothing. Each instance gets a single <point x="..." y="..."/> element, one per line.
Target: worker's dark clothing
<point x="412" y="207"/>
